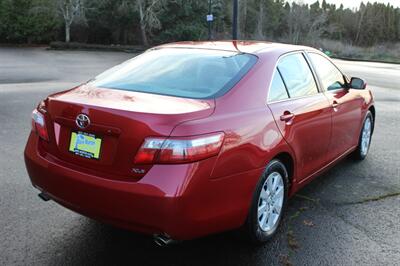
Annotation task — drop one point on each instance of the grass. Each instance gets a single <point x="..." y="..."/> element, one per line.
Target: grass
<point x="381" y="53"/>
<point x="384" y="52"/>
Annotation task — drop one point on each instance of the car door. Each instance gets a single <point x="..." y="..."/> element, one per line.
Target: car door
<point x="301" y="112"/>
<point x="346" y="106"/>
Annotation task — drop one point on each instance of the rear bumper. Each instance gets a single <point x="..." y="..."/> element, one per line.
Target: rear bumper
<point x="179" y="200"/>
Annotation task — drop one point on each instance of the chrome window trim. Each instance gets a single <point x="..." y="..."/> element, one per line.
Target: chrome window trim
<point x="284" y="84"/>
<point x="330" y="61"/>
<point x="296" y="98"/>
<point x="303" y="52"/>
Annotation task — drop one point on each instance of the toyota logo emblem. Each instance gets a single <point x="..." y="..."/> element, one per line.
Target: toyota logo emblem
<point x="82" y="121"/>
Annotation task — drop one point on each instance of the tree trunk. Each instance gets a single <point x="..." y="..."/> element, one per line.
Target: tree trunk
<point x="67" y="32"/>
<point x="142" y="24"/>
<point x="244" y="19"/>
<point x="360" y="23"/>
<point x="238" y="19"/>
<point x="144" y="35"/>
<point x="260" y="20"/>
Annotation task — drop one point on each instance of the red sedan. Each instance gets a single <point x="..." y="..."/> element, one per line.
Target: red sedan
<point x="194" y="138"/>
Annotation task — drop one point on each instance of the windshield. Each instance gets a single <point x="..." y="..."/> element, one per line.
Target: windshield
<point x="189" y="73"/>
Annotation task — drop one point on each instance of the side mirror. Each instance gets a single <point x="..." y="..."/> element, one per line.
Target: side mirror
<point x="358" y="84"/>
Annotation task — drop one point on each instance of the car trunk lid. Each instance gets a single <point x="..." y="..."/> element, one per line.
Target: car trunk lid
<point x="120" y="119"/>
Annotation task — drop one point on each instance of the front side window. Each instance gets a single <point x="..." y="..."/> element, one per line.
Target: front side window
<point x="297" y="76"/>
<point x="189" y="73"/>
<point x="331" y="77"/>
<point x="277" y="90"/>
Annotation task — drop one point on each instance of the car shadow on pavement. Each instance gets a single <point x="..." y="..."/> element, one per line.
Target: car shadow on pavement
<point x="100" y="244"/>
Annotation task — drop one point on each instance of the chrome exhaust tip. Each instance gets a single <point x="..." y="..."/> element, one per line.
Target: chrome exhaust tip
<point x="163" y="240"/>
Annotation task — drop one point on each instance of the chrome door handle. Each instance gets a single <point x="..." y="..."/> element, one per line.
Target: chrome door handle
<point x="287" y="116"/>
<point x="335" y="104"/>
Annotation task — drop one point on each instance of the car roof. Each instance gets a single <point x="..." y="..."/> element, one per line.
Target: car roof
<point x="241" y="46"/>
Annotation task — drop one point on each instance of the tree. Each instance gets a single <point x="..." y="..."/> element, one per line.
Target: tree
<point x="27" y="21"/>
<point x="298" y="21"/>
<point x="158" y="21"/>
<point x="148" y="14"/>
<point x="316" y="29"/>
<point x="362" y="12"/>
<point x="260" y="19"/>
<point x="242" y="19"/>
<point x="181" y="20"/>
<point x="110" y="21"/>
<point x="70" y="10"/>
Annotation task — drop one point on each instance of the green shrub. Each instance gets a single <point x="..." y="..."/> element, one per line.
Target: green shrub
<point x="27" y="21"/>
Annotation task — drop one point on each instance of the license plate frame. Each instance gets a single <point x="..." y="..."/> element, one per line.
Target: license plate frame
<point x="85" y="145"/>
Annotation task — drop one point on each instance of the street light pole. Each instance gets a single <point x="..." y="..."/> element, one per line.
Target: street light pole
<point x="235" y="20"/>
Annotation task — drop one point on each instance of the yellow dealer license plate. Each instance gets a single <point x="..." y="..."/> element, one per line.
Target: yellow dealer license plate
<point x="85" y="145"/>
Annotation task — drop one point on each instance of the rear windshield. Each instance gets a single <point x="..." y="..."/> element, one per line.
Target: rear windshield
<point x="189" y="73"/>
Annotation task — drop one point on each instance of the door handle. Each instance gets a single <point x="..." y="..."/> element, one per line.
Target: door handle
<point x="335" y="104"/>
<point x="287" y="116"/>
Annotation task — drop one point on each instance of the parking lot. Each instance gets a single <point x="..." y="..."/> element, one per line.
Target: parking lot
<point x="348" y="216"/>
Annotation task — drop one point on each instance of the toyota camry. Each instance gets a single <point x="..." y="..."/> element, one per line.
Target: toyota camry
<point x="194" y="138"/>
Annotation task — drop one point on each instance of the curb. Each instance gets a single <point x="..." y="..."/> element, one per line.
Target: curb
<point x="96" y="47"/>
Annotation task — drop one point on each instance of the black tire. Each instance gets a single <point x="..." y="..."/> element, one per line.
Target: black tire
<point x="251" y="229"/>
<point x="358" y="154"/>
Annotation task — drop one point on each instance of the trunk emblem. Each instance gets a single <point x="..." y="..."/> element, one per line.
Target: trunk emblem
<point x="82" y="121"/>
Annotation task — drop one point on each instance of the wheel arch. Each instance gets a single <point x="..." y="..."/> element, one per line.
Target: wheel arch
<point x="372" y="110"/>
<point x="287" y="159"/>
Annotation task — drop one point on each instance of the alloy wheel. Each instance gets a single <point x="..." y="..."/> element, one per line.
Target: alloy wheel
<point x="366" y="136"/>
<point x="270" y="202"/>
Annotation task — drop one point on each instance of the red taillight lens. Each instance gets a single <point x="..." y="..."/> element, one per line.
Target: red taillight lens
<point x="39" y="124"/>
<point x="179" y="150"/>
<point x="149" y="150"/>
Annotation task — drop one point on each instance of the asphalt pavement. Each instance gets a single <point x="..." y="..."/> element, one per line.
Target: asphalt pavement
<point x="348" y="216"/>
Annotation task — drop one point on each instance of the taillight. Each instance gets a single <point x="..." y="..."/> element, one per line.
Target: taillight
<point x="42" y="107"/>
<point x="179" y="150"/>
<point x="39" y="124"/>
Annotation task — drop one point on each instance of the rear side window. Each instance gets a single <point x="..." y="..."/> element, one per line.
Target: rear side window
<point x="277" y="90"/>
<point x="331" y="77"/>
<point x="189" y="73"/>
<point x="297" y="76"/>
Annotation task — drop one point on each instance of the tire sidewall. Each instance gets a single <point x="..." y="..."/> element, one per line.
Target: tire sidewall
<point x="258" y="235"/>
<point x="359" y="154"/>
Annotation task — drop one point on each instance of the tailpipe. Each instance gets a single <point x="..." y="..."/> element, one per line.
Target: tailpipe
<point x="44" y="196"/>
<point x="163" y="240"/>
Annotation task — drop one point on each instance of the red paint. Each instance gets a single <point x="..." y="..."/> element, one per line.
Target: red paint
<point x="198" y="197"/>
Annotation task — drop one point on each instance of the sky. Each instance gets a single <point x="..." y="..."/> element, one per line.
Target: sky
<point x="351" y="3"/>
